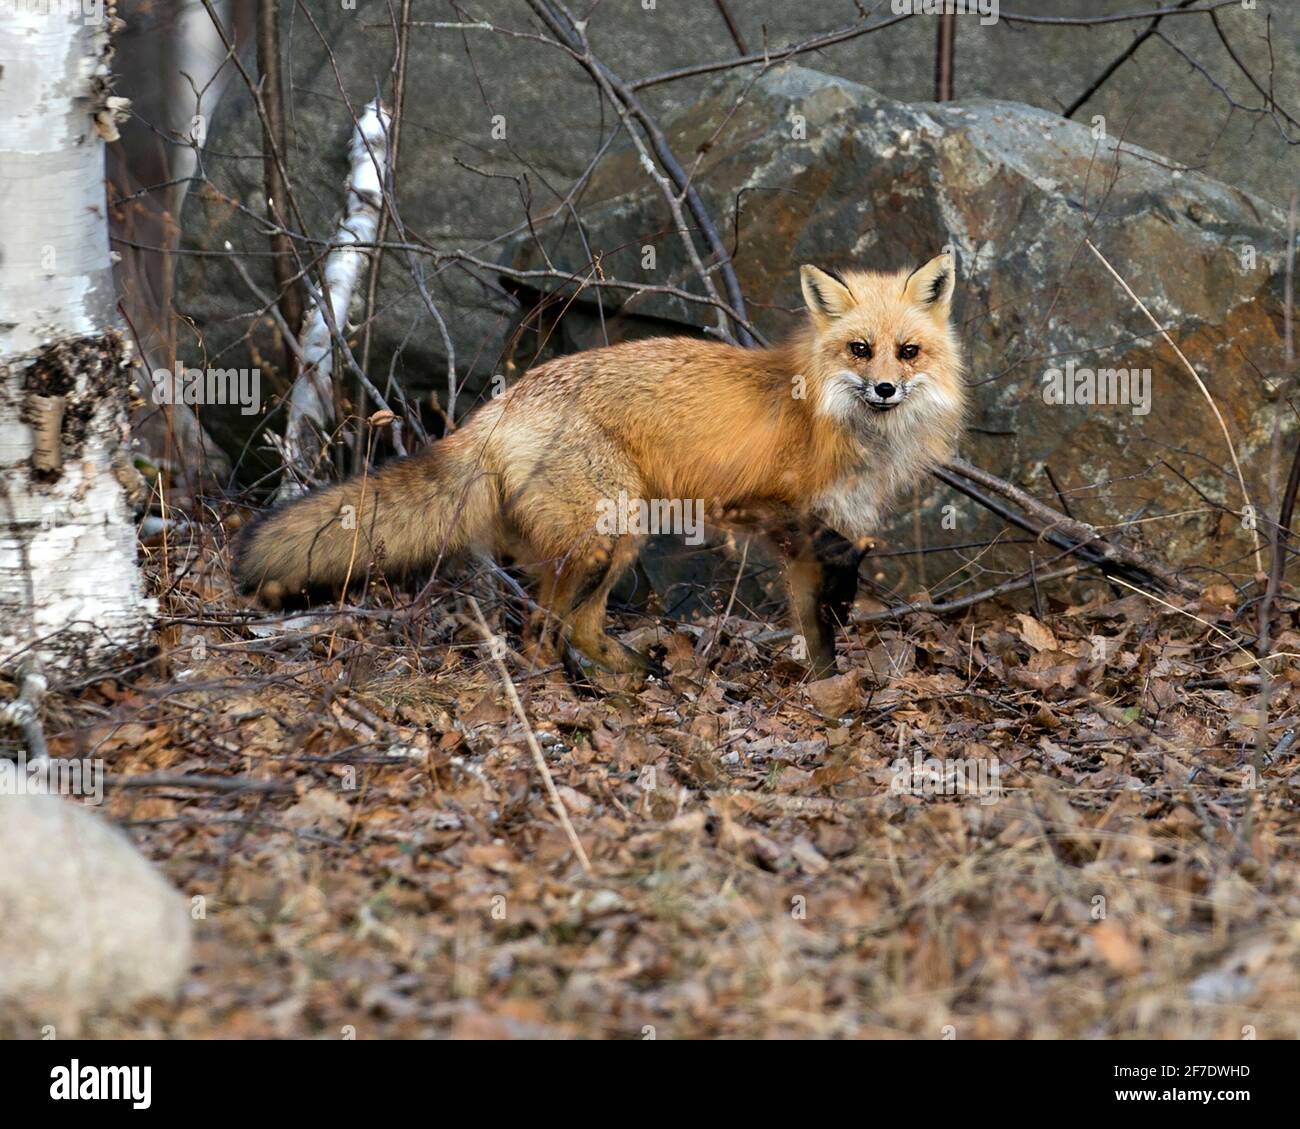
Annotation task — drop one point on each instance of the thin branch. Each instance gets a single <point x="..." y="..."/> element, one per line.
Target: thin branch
<point x="1267" y="95"/>
<point x="932" y="607"/>
<point x="1115" y="17"/>
<point x="768" y="58"/>
<point x="736" y="37"/>
<point x="200" y="782"/>
<point x="1281" y="529"/>
<point x="625" y="102"/>
<point x="1119" y="60"/>
<point x="494" y="649"/>
<point x="1223" y="426"/>
<point x="945" y="46"/>
<point x="394" y="145"/>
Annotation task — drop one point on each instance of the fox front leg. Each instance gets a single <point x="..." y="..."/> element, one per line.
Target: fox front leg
<point x="821" y="575"/>
<point x="814" y="635"/>
<point x="840" y="561"/>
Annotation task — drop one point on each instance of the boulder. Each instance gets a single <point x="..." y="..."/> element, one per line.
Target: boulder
<point x="818" y="169"/>
<point x="87" y="925"/>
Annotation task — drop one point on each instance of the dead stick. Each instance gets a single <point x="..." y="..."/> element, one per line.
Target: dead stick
<point x="1086" y="537"/>
<point x="736" y="37"/>
<point x="1277" y="542"/>
<point x="942" y="608"/>
<point x="494" y="649"/>
<point x="943" y="57"/>
<point x="193" y="780"/>
<point x="1282" y="528"/>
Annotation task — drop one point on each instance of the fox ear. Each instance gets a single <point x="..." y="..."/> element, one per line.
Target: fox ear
<point x="930" y="286"/>
<point x="826" y="295"/>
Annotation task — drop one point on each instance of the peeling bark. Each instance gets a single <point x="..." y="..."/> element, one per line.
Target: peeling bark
<point x="70" y="593"/>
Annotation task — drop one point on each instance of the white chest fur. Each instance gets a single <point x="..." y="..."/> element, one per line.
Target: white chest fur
<point x="895" y="450"/>
<point x="853" y="505"/>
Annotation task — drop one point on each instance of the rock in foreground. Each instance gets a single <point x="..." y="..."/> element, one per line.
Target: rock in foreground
<point x="86" y="924"/>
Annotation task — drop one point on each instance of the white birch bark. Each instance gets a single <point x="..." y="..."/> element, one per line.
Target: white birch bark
<point x="311" y="400"/>
<point x="70" y="593"/>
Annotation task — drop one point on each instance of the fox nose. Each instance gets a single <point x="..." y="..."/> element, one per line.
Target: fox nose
<point x="884" y="391"/>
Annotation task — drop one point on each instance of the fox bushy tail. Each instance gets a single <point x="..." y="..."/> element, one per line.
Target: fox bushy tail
<point x="410" y="511"/>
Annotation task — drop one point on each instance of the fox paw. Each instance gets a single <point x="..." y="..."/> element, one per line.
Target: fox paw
<point x="612" y="665"/>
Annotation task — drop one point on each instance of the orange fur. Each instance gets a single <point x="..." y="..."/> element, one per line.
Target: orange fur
<point x="785" y="428"/>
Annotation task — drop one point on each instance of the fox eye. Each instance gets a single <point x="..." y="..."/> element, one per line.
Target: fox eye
<point x="860" y="348"/>
<point x="907" y="352"/>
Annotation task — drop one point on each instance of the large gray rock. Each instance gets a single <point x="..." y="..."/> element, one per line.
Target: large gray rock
<point x="826" y="171"/>
<point x="87" y="926"/>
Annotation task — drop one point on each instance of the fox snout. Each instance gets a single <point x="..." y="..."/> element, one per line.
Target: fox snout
<point x="879" y="395"/>
<point x="883" y="394"/>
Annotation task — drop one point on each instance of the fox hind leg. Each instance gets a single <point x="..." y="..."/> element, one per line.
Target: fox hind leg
<point x="814" y="636"/>
<point x="559" y="510"/>
<point x="599" y="569"/>
<point x="557" y="587"/>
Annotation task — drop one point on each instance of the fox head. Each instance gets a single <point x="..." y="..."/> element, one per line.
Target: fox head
<point x="882" y="350"/>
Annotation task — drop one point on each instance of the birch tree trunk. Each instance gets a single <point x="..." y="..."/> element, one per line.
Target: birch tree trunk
<point x="311" y="399"/>
<point x="70" y="593"/>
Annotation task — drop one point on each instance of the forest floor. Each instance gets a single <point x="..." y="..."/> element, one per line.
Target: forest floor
<point x="990" y="825"/>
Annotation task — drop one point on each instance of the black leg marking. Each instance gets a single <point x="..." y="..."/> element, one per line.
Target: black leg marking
<point x="840" y="560"/>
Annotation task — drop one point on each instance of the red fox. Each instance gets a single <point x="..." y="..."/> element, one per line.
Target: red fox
<point x="864" y="398"/>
